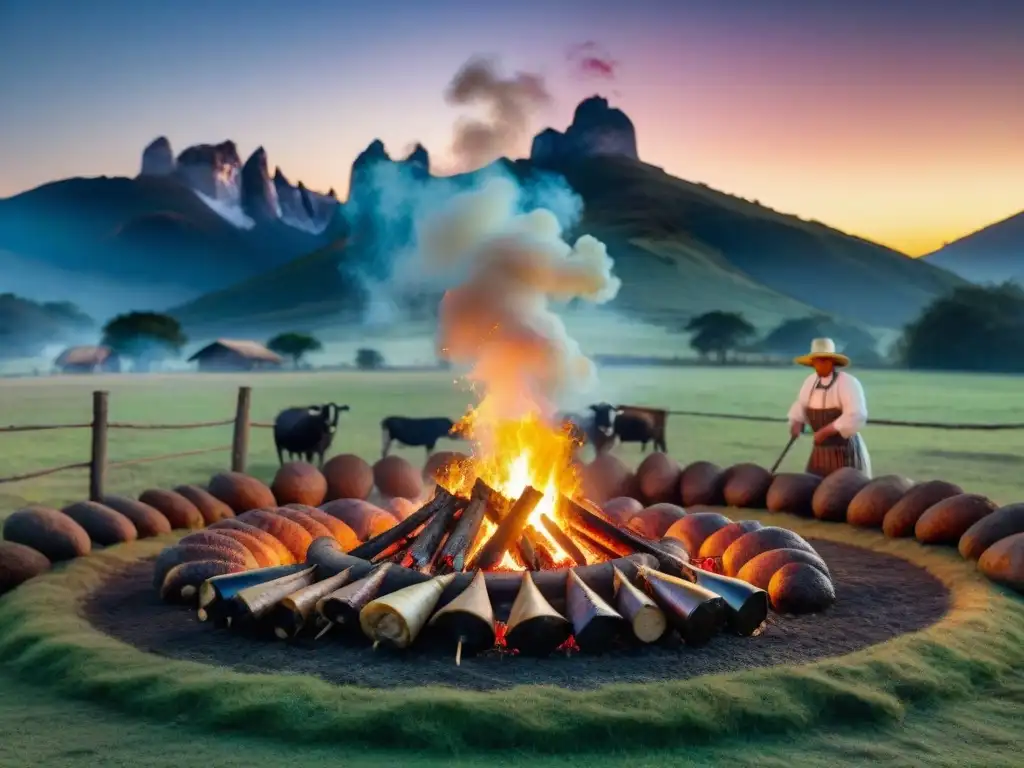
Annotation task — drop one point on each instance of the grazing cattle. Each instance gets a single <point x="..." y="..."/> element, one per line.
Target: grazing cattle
<point x="416" y="433"/>
<point x="628" y="424"/>
<point x="305" y="432"/>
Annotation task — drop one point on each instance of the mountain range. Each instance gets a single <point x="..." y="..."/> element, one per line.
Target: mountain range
<point x="994" y="254"/>
<point x="225" y="245"/>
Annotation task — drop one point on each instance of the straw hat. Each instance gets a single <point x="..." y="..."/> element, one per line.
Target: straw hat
<point x="822" y="349"/>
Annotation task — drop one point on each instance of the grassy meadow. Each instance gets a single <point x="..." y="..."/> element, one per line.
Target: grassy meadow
<point x="950" y="695"/>
<point x="984" y="462"/>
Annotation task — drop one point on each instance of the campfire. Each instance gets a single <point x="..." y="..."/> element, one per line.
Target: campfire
<point x="507" y="554"/>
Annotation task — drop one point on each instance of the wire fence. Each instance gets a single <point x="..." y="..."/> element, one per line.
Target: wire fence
<point x="100" y="426"/>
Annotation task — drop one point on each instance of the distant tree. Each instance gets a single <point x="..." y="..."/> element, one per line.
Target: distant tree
<point x="718" y="333"/>
<point x="144" y="337"/>
<point x="793" y="337"/>
<point x="294" y="345"/>
<point x="27" y="327"/>
<point x="369" y="359"/>
<point x="973" y="328"/>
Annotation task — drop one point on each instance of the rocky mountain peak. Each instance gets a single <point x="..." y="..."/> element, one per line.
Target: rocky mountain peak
<point x="158" y="158"/>
<point x="259" y="195"/>
<point x="213" y="170"/>
<point x="597" y="129"/>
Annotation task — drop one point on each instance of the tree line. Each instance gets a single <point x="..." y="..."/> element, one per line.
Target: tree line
<point x="28" y="328"/>
<point x="972" y="328"/>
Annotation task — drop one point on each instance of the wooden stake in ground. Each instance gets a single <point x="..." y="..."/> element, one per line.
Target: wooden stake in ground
<point x="290" y="616"/>
<point x="697" y="613"/>
<point x="746" y="605"/>
<point x="595" y="624"/>
<point x="534" y="628"/>
<point x="256" y="602"/>
<point x="215" y="594"/>
<point x="468" y="620"/>
<point x="509" y="530"/>
<point x="643" y="614"/>
<point x="342" y="607"/>
<point x="397" y="619"/>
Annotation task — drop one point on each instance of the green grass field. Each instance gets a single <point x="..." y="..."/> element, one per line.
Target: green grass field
<point x="951" y="695"/>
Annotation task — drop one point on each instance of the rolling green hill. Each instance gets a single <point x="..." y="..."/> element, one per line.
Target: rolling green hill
<point x="680" y="248"/>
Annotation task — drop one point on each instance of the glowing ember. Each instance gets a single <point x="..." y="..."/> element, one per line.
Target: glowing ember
<point x="511" y="455"/>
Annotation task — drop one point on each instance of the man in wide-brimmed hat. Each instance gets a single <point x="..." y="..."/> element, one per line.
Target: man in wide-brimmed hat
<point x="831" y="403"/>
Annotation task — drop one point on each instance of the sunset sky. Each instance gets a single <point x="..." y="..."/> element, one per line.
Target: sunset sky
<point x="898" y="120"/>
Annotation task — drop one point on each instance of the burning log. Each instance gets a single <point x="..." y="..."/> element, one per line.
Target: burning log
<point x="453" y="554"/>
<point x="427" y="543"/>
<point x="254" y="603"/>
<point x="643" y="614"/>
<point x="342" y="607"/>
<point x="290" y="616"/>
<point x="697" y="613"/>
<point x="527" y="553"/>
<point x="597" y="549"/>
<point x="545" y="558"/>
<point x="523" y="552"/>
<point x="215" y="594"/>
<point x="620" y="540"/>
<point x="595" y="624"/>
<point x="405" y="530"/>
<point x="563" y="540"/>
<point x="397" y="619"/>
<point x="509" y="529"/>
<point x="534" y="628"/>
<point x="468" y="620"/>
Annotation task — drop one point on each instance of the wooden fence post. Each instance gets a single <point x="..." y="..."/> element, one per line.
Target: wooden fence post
<point x="240" y="441"/>
<point x="98" y="462"/>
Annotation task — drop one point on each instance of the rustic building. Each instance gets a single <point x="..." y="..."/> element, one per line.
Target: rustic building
<point x="88" y="359"/>
<point x="235" y="355"/>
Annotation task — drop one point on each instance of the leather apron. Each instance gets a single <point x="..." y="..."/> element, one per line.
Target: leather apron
<point x="838" y="451"/>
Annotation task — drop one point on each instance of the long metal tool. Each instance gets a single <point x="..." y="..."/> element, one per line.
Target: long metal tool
<point x="782" y="455"/>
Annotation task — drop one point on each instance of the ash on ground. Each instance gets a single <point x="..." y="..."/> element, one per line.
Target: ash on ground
<point x="878" y="597"/>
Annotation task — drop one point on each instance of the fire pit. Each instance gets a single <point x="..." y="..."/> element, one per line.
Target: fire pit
<point x="507" y="553"/>
<point x="506" y="556"/>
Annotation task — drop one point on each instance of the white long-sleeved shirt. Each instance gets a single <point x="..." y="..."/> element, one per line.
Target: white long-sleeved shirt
<point x="847" y="393"/>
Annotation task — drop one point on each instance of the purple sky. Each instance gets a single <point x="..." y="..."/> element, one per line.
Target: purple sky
<point x="898" y="120"/>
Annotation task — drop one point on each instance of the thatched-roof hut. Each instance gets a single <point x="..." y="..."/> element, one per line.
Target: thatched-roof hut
<point x="88" y="359"/>
<point x="235" y="355"/>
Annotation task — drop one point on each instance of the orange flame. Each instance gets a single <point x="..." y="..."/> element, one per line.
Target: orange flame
<point x="511" y="454"/>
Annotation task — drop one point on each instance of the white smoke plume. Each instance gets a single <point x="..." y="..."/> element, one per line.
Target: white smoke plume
<point x="509" y="103"/>
<point x="497" y="320"/>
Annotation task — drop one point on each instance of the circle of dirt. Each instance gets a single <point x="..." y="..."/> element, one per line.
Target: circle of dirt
<point x="879" y="596"/>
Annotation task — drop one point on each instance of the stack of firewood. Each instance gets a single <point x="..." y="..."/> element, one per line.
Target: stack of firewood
<point x="435" y="575"/>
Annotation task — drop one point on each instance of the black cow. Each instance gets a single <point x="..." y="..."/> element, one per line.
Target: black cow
<point x="415" y="432"/>
<point x="628" y="425"/>
<point x="305" y="432"/>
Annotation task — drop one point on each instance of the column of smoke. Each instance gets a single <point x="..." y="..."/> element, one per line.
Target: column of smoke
<point x="497" y="320"/>
<point x="507" y="105"/>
